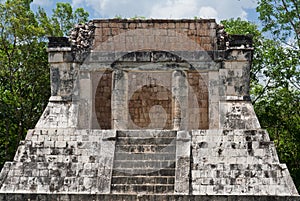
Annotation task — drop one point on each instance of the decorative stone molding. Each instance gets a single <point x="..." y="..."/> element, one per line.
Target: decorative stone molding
<point x="81" y="40"/>
<point x="222" y="37"/>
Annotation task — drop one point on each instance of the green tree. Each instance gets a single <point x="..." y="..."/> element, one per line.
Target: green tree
<point x="62" y="20"/>
<point x="24" y="68"/>
<point x="281" y="20"/>
<point x="274" y="90"/>
<point x="24" y="74"/>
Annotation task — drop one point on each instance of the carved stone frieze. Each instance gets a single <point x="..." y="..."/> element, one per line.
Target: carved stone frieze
<point x="81" y="39"/>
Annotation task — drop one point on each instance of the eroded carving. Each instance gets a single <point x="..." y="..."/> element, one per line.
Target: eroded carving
<point x="81" y="39"/>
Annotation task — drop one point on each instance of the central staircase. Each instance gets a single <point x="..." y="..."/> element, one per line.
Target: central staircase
<point x="144" y="162"/>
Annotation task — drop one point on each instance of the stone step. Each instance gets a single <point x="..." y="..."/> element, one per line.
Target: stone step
<point x="235" y="155"/>
<point x="145" y="156"/>
<point x="234" y="159"/>
<point x="151" y="133"/>
<point x="149" y="189"/>
<point x="145" y="141"/>
<point x="169" y="148"/>
<point x="55" y="171"/>
<point x="144" y="162"/>
<point x="163" y="142"/>
<point x="59" y="144"/>
<point x="230" y="132"/>
<point x="149" y="141"/>
<point x="146" y="172"/>
<point x="143" y="197"/>
<point x="143" y="180"/>
<point x="241" y="166"/>
<point x="234" y="144"/>
<point x="135" y="164"/>
<point x="67" y="134"/>
<point x="211" y="181"/>
<point x="230" y="135"/>
<point x="96" y="135"/>
<point x="241" y="138"/>
<point x="234" y="152"/>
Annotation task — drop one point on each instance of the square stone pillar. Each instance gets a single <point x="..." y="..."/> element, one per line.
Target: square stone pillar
<point x="183" y="161"/>
<point x="83" y="97"/>
<point x="119" y="100"/>
<point x="214" y="100"/>
<point x="62" y="69"/>
<point x="180" y="95"/>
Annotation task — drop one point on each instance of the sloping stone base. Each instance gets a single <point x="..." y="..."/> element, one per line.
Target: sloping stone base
<point x="116" y="197"/>
<point x="201" y="162"/>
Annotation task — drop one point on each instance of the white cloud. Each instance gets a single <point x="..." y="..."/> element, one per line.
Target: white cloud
<point x="76" y="3"/>
<point x="234" y="8"/>
<point x="207" y="12"/>
<point x="244" y="15"/>
<point x="174" y="9"/>
<point x="42" y="3"/>
<point x="219" y="9"/>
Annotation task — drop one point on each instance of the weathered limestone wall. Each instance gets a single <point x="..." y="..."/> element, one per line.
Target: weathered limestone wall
<point x="61" y="160"/>
<point x="238" y="162"/>
<point x="137" y="34"/>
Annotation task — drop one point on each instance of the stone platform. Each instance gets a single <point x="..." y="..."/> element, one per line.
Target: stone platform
<point x="124" y="197"/>
<point x="148" y="110"/>
<point x="202" y="162"/>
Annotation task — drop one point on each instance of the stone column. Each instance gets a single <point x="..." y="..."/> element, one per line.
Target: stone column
<point x="183" y="157"/>
<point x="61" y="73"/>
<point x="119" y="100"/>
<point x="213" y="99"/>
<point x="84" y="99"/>
<point x="180" y="95"/>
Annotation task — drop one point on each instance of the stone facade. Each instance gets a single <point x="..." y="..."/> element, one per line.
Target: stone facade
<point x="148" y="110"/>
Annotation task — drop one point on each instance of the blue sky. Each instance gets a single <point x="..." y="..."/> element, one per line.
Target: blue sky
<point x="166" y="9"/>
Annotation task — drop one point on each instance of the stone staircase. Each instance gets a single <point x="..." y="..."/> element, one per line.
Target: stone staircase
<point x="144" y="162"/>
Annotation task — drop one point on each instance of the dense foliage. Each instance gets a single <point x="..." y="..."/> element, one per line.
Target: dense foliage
<point x="62" y="20"/>
<point x="24" y="70"/>
<point x="279" y="107"/>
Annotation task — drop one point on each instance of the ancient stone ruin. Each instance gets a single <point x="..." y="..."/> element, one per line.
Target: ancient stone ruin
<point x="148" y="110"/>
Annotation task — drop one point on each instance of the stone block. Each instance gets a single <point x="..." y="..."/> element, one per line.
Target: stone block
<point x="56" y="57"/>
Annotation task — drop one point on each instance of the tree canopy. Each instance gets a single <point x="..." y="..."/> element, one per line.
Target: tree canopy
<point x="62" y="20"/>
<point x="279" y="108"/>
<point x="24" y="68"/>
<point x="282" y="19"/>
